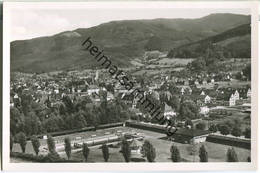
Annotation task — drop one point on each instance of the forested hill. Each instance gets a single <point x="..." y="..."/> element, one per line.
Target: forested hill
<point x="234" y="43"/>
<point x="122" y="41"/>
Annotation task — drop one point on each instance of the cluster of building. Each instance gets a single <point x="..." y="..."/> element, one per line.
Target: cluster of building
<point x="49" y="89"/>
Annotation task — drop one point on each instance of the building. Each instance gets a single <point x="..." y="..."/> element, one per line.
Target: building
<point x="196" y="82"/>
<point x="236" y="95"/>
<point x="168" y="111"/>
<point x="207" y="99"/>
<point x="204" y="110"/>
<point x="232" y="100"/>
<point x="185" y="90"/>
<point x="248" y="94"/>
<point x="204" y="99"/>
<point x="190" y="136"/>
<point x="204" y="82"/>
<point x="93" y="89"/>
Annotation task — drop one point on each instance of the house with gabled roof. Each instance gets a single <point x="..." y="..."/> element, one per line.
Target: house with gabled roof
<point x="248" y="94"/>
<point x="232" y="100"/>
<point x="169" y="111"/>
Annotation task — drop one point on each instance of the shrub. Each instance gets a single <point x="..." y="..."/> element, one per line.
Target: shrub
<point x="224" y="130"/>
<point x="247" y="133"/>
<point x="27" y="156"/>
<point x="213" y="128"/>
<point x="201" y="126"/>
<point x="52" y="157"/>
<point x="236" y="131"/>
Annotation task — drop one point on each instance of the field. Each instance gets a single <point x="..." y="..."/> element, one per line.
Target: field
<point x="175" y="61"/>
<point x="154" y="71"/>
<point x="216" y="152"/>
<point x="234" y="83"/>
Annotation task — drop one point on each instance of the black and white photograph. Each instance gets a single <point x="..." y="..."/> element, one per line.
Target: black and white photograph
<point x="140" y="84"/>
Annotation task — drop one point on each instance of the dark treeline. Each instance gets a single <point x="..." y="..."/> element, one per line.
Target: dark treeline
<point x="34" y="118"/>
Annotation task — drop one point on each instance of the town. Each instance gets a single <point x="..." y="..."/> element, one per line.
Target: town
<point x="89" y="110"/>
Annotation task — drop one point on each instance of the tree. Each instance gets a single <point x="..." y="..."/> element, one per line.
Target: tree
<point x="68" y="104"/>
<point x="11" y="142"/>
<point x="188" y="122"/>
<point x="154" y="43"/>
<point x="236" y="131"/>
<point x="188" y="110"/>
<point x="174" y="102"/>
<point x="110" y="88"/>
<point x="224" y="130"/>
<point x="175" y="154"/>
<point x="85" y="151"/>
<point x="105" y="151"/>
<point x="203" y="154"/>
<point x="32" y="124"/>
<point x="201" y="126"/>
<point x="36" y="144"/>
<point x="148" y="151"/>
<point x="198" y="65"/>
<point x="22" y="141"/>
<point x="247" y="71"/>
<point x="232" y="155"/>
<point x="79" y="120"/>
<point x="67" y="147"/>
<point x="16" y="121"/>
<point x="51" y="124"/>
<point x="213" y="128"/>
<point x="248" y="159"/>
<point x="126" y="150"/>
<point x="247" y="133"/>
<point x="26" y="100"/>
<point x="51" y="144"/>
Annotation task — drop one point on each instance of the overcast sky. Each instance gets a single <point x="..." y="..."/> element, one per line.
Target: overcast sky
<point x="31" y="23"/>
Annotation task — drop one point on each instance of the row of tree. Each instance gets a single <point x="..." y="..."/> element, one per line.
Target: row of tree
<point x="147" y="150"/>
<point x="226" y="129"/>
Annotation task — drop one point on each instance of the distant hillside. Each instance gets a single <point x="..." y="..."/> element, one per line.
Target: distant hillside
<point x="236" y="42"/>
<point x="122" y="41"/>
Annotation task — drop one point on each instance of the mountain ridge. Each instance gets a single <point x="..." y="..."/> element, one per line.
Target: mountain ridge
<point x="121" y="40"/>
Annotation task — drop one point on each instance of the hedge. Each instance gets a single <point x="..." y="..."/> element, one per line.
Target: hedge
<point x="40" y="158"/>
